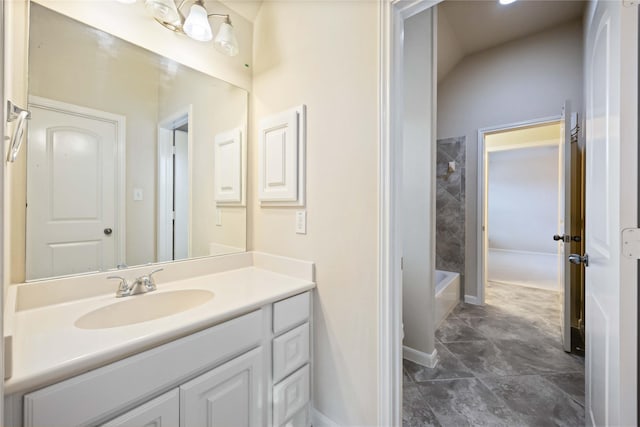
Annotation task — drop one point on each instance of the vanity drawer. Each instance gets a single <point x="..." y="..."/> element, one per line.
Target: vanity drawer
<point x="102" y="393"/>
<point x="290" y="312"/>
<point x="290" y="351"/>
<point x="290" y="396"/>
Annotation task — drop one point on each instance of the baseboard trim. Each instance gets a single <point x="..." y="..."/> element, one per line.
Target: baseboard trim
<point x="419" y="357"/>
<point x="470" y="299"/>
<point x="318" y="419"/>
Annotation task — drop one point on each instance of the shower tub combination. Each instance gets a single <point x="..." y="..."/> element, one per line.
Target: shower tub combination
<point x="447" y="294"/>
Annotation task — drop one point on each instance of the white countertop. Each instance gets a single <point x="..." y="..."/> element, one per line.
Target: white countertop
<point x="48" y="348"/>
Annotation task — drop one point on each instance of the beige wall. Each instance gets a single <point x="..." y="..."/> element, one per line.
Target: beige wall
<point x="217" y="107"/>
<point x="324" y="54"/>
<point x="522" y="80"/>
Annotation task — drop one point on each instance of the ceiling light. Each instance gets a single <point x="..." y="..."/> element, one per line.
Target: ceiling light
<point x="226" y="39"/>
<point x="163" y="10"/>
<point x="197" y="25"/>
<point x="507" y="1"/>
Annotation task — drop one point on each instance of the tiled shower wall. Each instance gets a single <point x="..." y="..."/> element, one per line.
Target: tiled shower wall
<point x="450" y="209"/>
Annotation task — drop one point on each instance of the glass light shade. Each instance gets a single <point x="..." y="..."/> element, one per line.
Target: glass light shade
<point x="197" y="25"/>
<point x="507" y="1"/>
<point x="226" y="40"/>
<point x="163" y="10"/>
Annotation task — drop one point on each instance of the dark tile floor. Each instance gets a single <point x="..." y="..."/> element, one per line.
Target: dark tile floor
<point x="501" y="364"/>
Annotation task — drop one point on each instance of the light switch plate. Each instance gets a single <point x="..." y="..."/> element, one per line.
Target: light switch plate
<point x="137" y="194"/>
<point x="301" y="222"/>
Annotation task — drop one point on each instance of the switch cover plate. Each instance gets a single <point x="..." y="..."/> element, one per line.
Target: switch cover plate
<point x="301" y="222"/>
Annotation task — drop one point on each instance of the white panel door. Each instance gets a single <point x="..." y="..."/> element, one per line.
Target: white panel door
<point x="71" y="194"/>
<point x="229" y="395"/>
<point x="163" y="411"/>
<point x="181" y="195"/>
<point x="611" y="196"/>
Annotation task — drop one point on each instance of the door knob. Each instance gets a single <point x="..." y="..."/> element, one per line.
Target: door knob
<point x="563" y="238"/>
<point x="108" y="231"/>
<point x="578" y="259"/>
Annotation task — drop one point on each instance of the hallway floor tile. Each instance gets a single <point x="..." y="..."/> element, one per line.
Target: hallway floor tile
<point x="500" y="364"/>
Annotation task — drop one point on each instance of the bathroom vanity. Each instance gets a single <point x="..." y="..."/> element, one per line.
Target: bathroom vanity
<point x="240" y="358"/>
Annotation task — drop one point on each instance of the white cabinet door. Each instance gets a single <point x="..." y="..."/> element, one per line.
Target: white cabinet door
<point x="163" y="411"/>
<point x="229" y="395"/>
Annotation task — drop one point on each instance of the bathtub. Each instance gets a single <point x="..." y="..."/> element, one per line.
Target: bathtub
<point x="447" y="294"/>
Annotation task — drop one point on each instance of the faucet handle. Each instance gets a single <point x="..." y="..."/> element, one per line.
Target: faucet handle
<point x="148" y="281"/>
<point x="158" y="270"/>
<point x="124" y="286"/>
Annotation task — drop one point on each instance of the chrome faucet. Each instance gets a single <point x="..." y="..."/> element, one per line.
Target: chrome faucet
<point x="140" y="285"/>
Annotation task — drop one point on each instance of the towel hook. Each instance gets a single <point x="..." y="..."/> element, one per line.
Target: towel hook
<point x="20" y="115"/>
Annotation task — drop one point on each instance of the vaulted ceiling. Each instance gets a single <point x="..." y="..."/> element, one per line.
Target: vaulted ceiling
<point x="469" y="26"/>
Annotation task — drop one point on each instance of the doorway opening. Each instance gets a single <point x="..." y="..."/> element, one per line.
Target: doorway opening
<point x="521" y="206"/>
<point x="174" y="187"/>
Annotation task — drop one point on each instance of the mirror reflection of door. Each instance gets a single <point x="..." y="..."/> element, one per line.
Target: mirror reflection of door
<point x="181" y="193"/>
<point x="73" y="198"/>
<point x="173" y="188"/>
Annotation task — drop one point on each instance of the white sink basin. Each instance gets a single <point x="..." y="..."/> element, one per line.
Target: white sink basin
<point x="143" y="307"/>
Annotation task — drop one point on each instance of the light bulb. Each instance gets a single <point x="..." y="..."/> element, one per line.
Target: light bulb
<point x="226" y="40"/>
<point x="507" y="1"/>
<point x="163" y="10"/>
<point x="197" y="25"/>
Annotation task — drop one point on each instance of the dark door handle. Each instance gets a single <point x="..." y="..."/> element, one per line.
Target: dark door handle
<point x="558" y="237"/>
<point x="108" y="231"/>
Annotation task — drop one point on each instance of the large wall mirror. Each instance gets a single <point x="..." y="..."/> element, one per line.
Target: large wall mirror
<point x="131" y="158"/>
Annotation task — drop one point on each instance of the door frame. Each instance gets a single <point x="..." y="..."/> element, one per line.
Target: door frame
<point x="392" y="15"/>
<point x="482" y="226"/>
<point x="164" y="226"/>
<point x="120" y="122"/>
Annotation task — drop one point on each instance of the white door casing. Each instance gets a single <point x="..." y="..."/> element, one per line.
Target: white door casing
<point x="564" y="224"/>
<point x="75" y="178"/>
<point x="611" y="205"/>
<point x="165" y="181"/>
<point x="181" y="195"/>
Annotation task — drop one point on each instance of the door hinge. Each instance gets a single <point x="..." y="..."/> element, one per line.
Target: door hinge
<point x="631" y="243"/>
<point x="173" y="215"/>
<point x="173" y="150"/>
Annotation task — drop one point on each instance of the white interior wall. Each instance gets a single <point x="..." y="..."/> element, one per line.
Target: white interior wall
<point x="418" y="249"/>
<point x="522" y="80"/>
<point x="523" y="199"/>
<point x="324" y="54"/>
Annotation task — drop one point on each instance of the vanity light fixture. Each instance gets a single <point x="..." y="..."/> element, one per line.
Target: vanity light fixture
<point x="196" y="24"/>
<point x="507" y="1"/>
